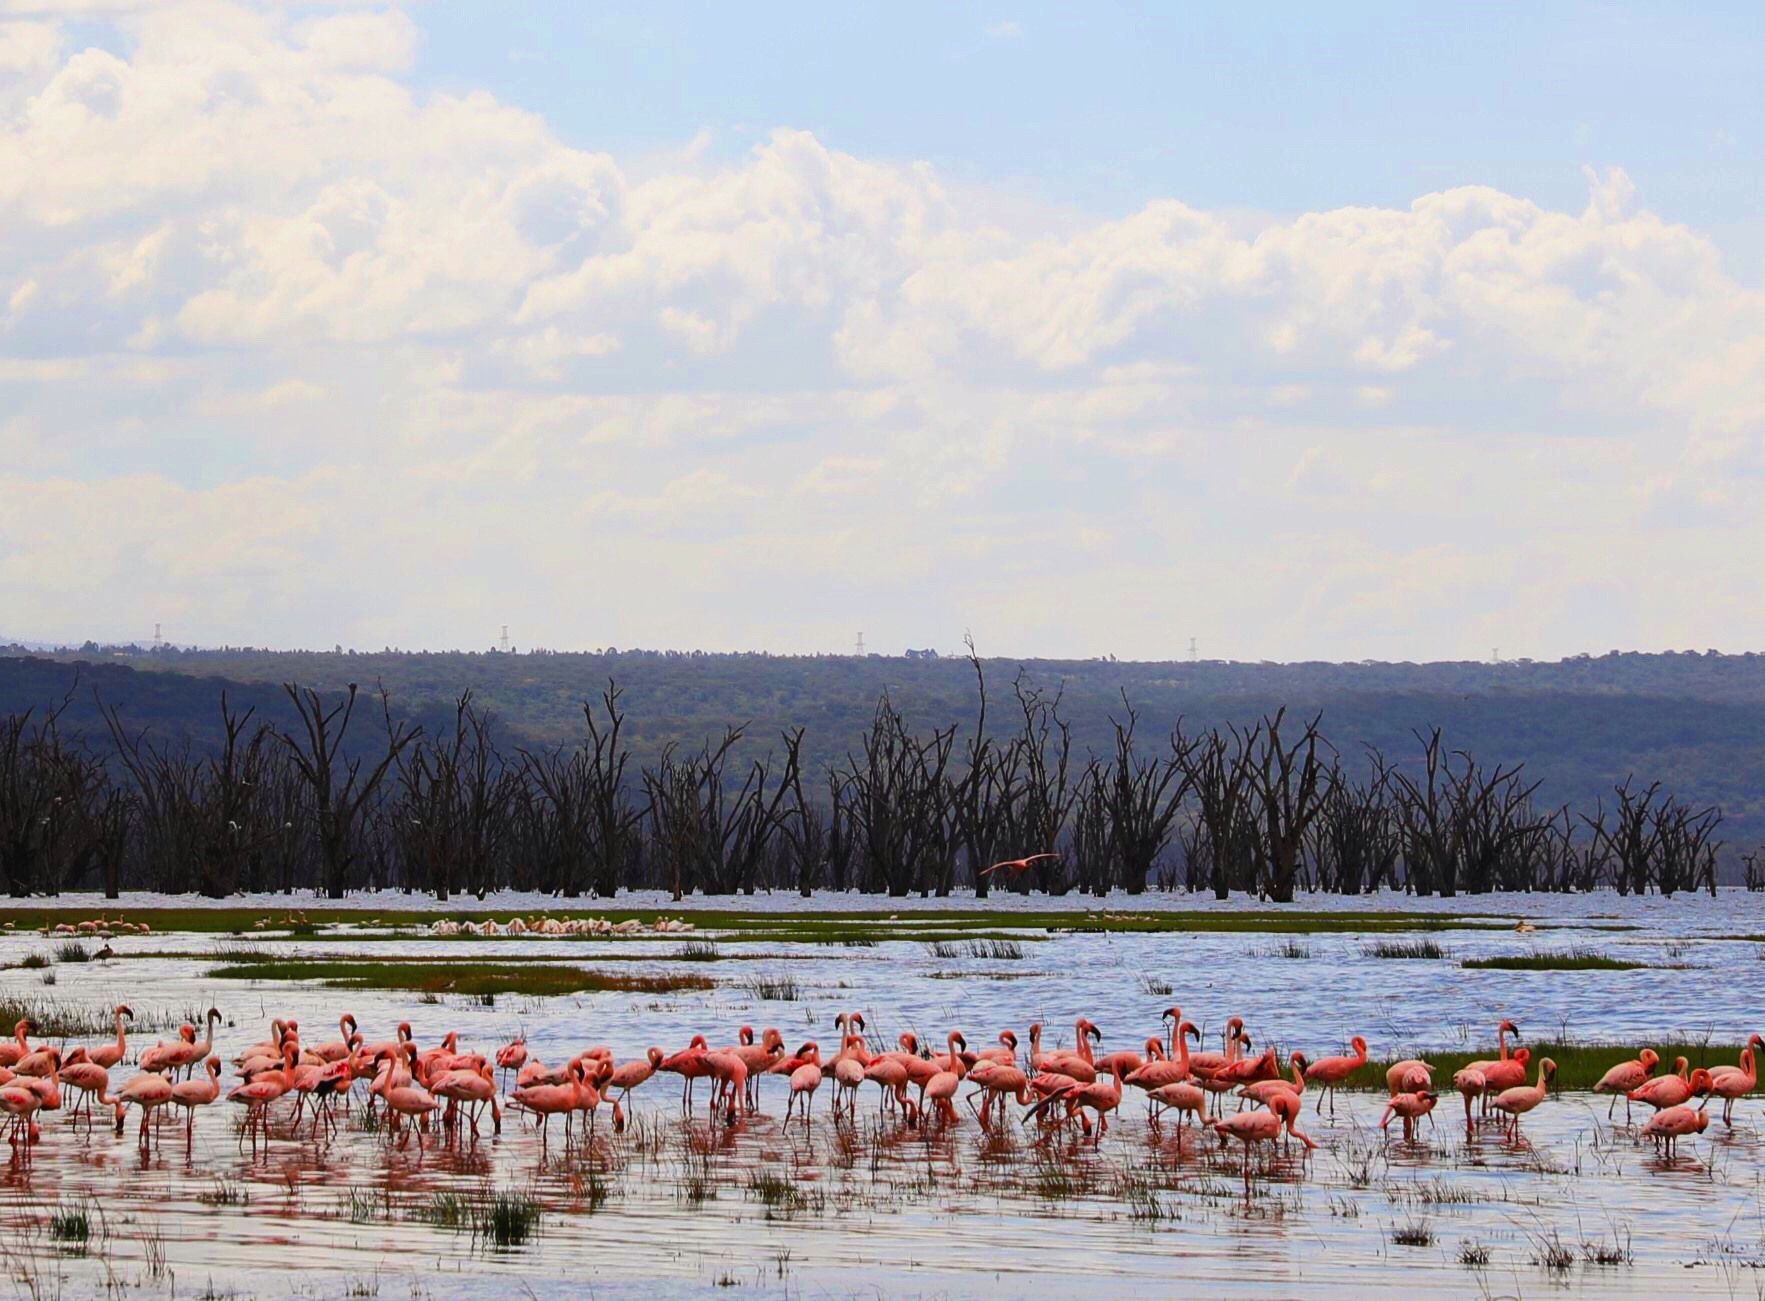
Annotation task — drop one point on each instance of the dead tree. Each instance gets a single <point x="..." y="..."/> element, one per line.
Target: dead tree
<point x="900" y="803"/>
<point x="981" y="799"/>
<point x="1219" y="775"/>
<point x="1290" y="783"/>
<point x="1140" y="799"/>
<point x="341" y="786"/>
<point x="1037" y="819"/>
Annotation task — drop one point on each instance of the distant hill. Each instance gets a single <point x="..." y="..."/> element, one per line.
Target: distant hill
<point x="1695" y="722"/>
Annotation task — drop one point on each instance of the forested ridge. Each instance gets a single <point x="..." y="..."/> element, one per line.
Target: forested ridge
<point x="1578" y="728"/>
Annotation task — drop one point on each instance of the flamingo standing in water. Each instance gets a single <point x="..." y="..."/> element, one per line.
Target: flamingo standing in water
<point x="1261" y="1091"/>
<point x="18" y="1046"/>
<point x="108" y="1055"/>
<point x="512" y="1056"/>
<point x="1731" y="1083"/>
<point x="471" y="1087"/>
<point x="1521" y="1099"/>
<point x="805" y="1080"/>
<point x="1412" y="1107"/>
<point x="147" y="1091"/>
<point x="1262" y="1127"/>
<point x="1671" y="1124"/>
<point x="1626" y="1077"/>
<point x="21" y="1104"/>
<point x="1331" y="1071"/>
<point x="194" y="1093"/>
<point x="91" y="1079"/>
<point x="1673" y="1090"/>
<point x="548" y="1100"/>
<point x="628" y="1077"/>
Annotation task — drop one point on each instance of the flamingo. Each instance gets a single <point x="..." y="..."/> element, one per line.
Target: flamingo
<point x="22" y="1105"/>
<point x="1732" y="1083"/>
<point x="1016" y="866"/>
<point x="1670" y="1124"/>
<point x="848" y="1073"/>
<point x="1519" y="1100"/>
<point x="1331" y="1071"/>
<point x="512" y="1056"/>
<point x="690" y="1065"/>
<point x="1625" y="1077"/>
<point x="158" y="1058"/>
<point x="472" y="1087"/>
<point x="91" y="1079"/>
<point x="108" y="1055"/>
<point x="805" y="1080"/>
<point x="335" y="1050"/>
<point x="1262" y="1090"/>
<point x="1411" y="1075"/>
<point x="18" y="1046"/>
<point x="628" y="1077"/>
<point x="1412" y="1107"/>
<point x="1672" y="1090"/>
<point x="1174" y="1069"/>
<point x="147" y="1091"/>
<point x="548" y="1100"/>
<point x="1262" y="1126"/>
<point x="194" y="1093"/>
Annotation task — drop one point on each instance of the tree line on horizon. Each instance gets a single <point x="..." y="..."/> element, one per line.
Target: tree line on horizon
<point x="347" y="795"/>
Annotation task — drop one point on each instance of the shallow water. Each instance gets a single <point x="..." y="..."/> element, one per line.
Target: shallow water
<point x="906" y="1211"/>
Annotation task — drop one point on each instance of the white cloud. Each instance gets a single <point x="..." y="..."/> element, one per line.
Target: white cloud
<point x="269" y="311"/>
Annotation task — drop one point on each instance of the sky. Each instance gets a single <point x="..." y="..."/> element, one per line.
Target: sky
<point x="1319" y="332"/>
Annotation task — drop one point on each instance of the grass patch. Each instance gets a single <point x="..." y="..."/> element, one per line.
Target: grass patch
<point x="508" y="1219"/>
<point x="1579" y="1065"/>
<point x="697" y="951"/>
<point x="1292" y="949"/>
<point x="1473" y="1255"/>
<point x="71" y="951"/>
<point x="1406" y="949"/>
<point x="34" y="962"/>
<point x="781" y="989"/>
<point x="224" y="1192"/>
<point x="1413" y="1233"/>
<point x="1154" y="987"/>
<point x="1008" y="950"/>
<point x="1567" y="960"/>
<point x="71" y="1225"/>
<point x="467" y="978"/>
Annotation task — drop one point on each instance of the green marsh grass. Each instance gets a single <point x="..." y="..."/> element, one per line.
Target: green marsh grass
<point x="467" y="978"/>
<point x="1406" y="949"/>
<point x="1567" y="960"/>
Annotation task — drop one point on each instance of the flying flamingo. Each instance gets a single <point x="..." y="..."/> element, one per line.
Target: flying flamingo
<point x="1626" y="1076"/>
<point x="1331" y="1071"/>
<point x="1521" y="1099"/>
<point x="1732" y="1083"/>
<point x="806" y="1079"/>
<point x="1412" y="1107"/>
<point x="1262" y="1127"/>
<point x="1016" y="866"/>
<point x="191" y="1094"/>
<point x="628" y="1077"/>
<point x="1670" y="1124"/>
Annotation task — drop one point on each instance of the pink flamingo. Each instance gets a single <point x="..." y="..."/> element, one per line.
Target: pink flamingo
<point x="630" y="1076"/>
<point x="1411" y="1075"/>
<point x="1016" y="866"/>
<point x="1206" y="1063"/>
<point x="21" y="1104"/>
<point x="1731" y="1083"/>
<point x="1412" y="1107"/>
<point x="18" y="1046"/>
<point x="147" y="1091"/>
<point x="108" y="1055"/>
<point x="1174" y="1069"/>
<point x="1263" y="1090"/>
<point x="804" y="1081"/>
<point x="191" y="1094"/>
<point x="548" y="1100"/>
<point x="1332" y="1071"/>
<point x="1626" y="1076"/>
<point x="1262" y="1127"/>
<point x="1670" y="1124"/>
<point x="335" y="1050"/>
<point x="158" y="1057"/>
<point x="690" y="1065"/>
<point x="1521" y="1099"/>
<point x="512" y="1056"/>
<point x="91" y="1079"/>
<point x="1673" y="1090"/>
<point x="848" y="1073"/>
<point x="471" y="1088"/>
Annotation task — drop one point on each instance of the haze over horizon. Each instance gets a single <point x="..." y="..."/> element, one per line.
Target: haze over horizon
<point x="1370" y="334"/>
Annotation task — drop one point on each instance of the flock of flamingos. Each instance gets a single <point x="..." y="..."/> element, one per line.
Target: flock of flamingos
<point x="441" y="1089"/>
